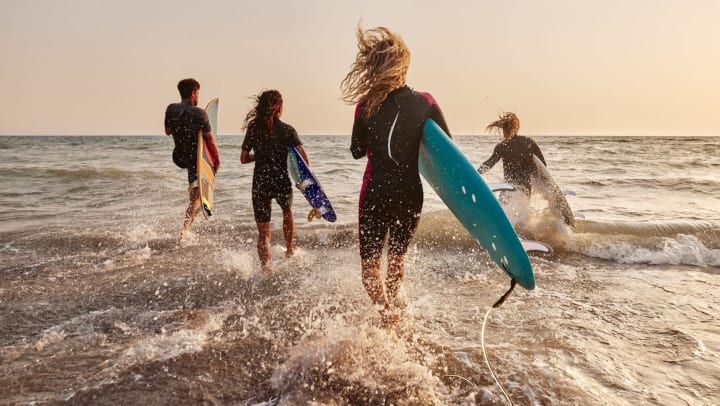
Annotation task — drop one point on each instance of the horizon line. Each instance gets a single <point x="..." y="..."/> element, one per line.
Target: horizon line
<point x="348" y="135"/>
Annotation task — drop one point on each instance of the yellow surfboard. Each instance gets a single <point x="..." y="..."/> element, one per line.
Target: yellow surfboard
<point x="206" y="163"/>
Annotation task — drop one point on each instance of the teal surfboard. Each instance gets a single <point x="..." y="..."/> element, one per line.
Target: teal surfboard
<point x="470" y="199"/>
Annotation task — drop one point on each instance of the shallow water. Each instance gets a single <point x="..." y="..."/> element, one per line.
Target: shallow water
<point x="100" y="305"/>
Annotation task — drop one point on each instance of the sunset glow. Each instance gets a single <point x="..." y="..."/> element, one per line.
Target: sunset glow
<point x="83" y="67"/>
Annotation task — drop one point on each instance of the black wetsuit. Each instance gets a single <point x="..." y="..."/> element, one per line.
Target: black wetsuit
<point x="392" y="196"/>
<point x="185" y="122"/>
<point x="270" y="175"/>
<point x="517" y="156"/>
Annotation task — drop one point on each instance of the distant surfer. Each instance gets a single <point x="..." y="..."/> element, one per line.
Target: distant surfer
<point x="388" y="126"/>
<point x="516" y="152"/>
<point x="266" y="143"/>
<point x="184" y="121"/>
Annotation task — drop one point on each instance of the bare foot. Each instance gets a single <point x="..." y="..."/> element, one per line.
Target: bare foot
<point x="266" y="268"/>
<point x="398" y="302"/>
<point x="183" y="237"/>
<point x="389" y="320"/>
<point x="290" y="252"/>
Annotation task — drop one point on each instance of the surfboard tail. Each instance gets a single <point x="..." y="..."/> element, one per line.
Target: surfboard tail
<point x="501" y="187"/>
<point x="535" y="246"/>
<point x="206" y="205"/>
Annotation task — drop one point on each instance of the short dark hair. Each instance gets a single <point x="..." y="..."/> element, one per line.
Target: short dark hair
<point x="187" y="86"/>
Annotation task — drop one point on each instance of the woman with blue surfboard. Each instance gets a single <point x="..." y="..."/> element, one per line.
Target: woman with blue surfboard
<point x="266" y="143"/>
<point x="388" y="127"/>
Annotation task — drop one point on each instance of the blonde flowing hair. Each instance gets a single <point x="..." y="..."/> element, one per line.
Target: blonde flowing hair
<point x="380" y="67"/>
<point x="508" y="124"/>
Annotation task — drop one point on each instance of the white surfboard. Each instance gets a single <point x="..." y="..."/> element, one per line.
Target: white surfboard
<point x="544" y="183"/>
<point x="206" y="164"/>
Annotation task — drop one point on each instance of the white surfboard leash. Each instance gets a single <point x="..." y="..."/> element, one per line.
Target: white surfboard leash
<point x="482" y="339"/>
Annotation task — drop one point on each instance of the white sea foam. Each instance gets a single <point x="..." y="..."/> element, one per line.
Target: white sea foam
<point x="241" y="262"/>
<point x="683" y="250"/>
<point x="164" y="346"/>
<point x="50" y="337"/>
<point x="100" y="302"/>
<point x="347" y="364"/>
<point x="141" y="233"/>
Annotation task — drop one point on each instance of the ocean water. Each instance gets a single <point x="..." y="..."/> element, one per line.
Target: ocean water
<point x="99" y="304"/>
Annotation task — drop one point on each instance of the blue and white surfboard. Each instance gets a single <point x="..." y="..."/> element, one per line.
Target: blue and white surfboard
<point x="469" y="198"/>
<point x="308" y="184"/>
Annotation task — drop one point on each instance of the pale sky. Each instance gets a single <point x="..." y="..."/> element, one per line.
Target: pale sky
<point x="566" y="67"/>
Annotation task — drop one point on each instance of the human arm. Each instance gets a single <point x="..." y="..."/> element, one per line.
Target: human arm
<point x="494" y="158"/>
<point x="435" y="112"/>
<point x="437" y="115"/>
<point x="538" y="153"/>
<point x="358" y="141"/>
<point x="246" y="156"/>
<point x="294" y="139"/>
<point x="302" y="152"/>
<point x="212" y="148"/>
<point x="209" y="140"/>
<point x="168" y="129"/>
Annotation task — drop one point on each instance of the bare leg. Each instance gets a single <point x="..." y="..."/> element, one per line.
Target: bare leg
<point x="191" y="211"/>
<point x="395" y="274"/>
<point x="375" y="287"/>
<point x="289" y="231"/>
<point x="373" y="282"/>
<point x="263" y="246"/>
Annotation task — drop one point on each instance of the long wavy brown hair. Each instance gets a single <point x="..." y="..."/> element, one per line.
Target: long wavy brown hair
<point x="380" y="67"/>
<point x="268" y="105"/>
<point x="507" y="124"/>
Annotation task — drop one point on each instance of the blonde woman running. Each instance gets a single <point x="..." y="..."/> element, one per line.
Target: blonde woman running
<point x="388" y="126"/>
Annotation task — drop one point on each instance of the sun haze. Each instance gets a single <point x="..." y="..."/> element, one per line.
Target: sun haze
<point x="643" y="67"/>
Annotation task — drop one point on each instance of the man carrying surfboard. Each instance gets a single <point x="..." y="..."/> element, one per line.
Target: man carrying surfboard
<point x="388" y="127"/>
<point x="269" y="138"/>
<point x="516" y="152"/>
<point x="184" y="121"/>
